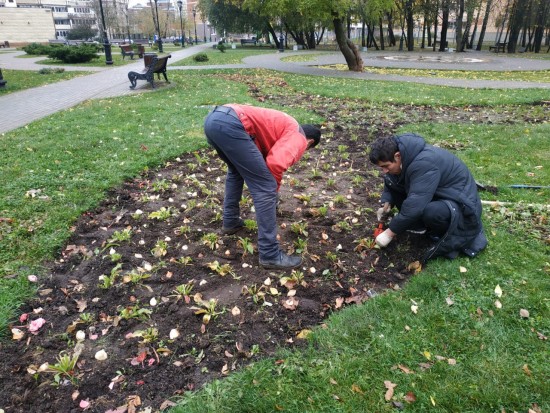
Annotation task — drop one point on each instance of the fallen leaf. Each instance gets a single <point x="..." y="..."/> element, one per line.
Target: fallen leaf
<point x="451" y="362"/>
<point x="81" y="305"/>
<point x="432" y="400"/>
<point x="405" y="369"/>
<point x="17" y="334"/>
<point x="101" y="355"/>
<point x="414" y="308"/>
<point x="498" y="304"/>
<point x="339" y="302"/>
<point x="225" y="369"/>
<point x="303" y="334"/>
<point x="410" y="397"/>
<point x="35" y="325"/>
<point x="235" y="311"/>
<point x="524" y="313"/>
<point x="427" y="354"/>
<point x="414" y="267"/>
<point x="389" y="392"/>
<point x="462" y="269"/>
<point x="449" y="301"/>
<point x="356" y="389"/>
<point x="84" y="404"/>
<point x="498" y="291"/>
<point x="526" y="370"/>
<point x="290" y="303"/>
<point x="174" y="333"/>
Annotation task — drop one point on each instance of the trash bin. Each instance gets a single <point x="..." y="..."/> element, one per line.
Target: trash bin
<point x="148" y="58"/>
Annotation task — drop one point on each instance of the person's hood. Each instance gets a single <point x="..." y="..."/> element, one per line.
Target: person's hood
<point x="410" y="145"/>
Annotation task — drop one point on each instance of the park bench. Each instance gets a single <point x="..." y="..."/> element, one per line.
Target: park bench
<point x="249" y="41"/>
<point x="126" y="50"/>
<point x="498" y="46"/>
<point x="5" y="44"/>
<point x="157" y="65"/>
<point x="140" y="50"/>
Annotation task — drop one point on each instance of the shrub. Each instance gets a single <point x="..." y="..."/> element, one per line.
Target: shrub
<point x="49" y="71"/>
<point x="37" y="49"/>
<point x="200" y="57"/>
<point x="74" y="54"/>
<point x="221" y="47"/>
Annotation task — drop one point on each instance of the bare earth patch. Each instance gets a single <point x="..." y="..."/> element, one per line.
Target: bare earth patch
<point x="149" y="281"/>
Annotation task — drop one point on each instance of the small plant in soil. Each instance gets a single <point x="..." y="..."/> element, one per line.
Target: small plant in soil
<point x="357" y="180"/>
<point x="150" y="335"/>
<point x="331" y="183"/>
<point x="86" y="318"/>
<point x="184" y="260"/>
<point x="64" y="368"/>
<point x="208" y="309"/>
<point x="251" y="224"/>
<point x="221" y="269"/>
<point x="121" y="236"/>
<point x="296" y="278"/>
<point x="299" y="228"/>
<point x="160" y="249"/>
<point x="134" y="311"/>
<point x="161" y="186"/>
<point x="115" y="256"/>
<point x="342" y="148"/>
<point x="339" y="200"/>
<point x="247" y="245"/>
<point x="135" y="277"/>
<point x="257" y="293"/>
<point x="183" y="292"/>
<point x="364" y="244"/>
<point x="319" y="212"/>
<point x="300" y="245"/>
<point x="107" y="281"/>
<point x="305" y="198"/>
<point x="316" y="173"/>
<point x="201" y="159"/>
<point x="162" y="214"/>
<point x="184" y="229"/>
<point x="210" y="240"/>
<point x="342" y="226"/>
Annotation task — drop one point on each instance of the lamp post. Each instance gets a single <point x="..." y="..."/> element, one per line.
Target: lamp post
<point x="106" y="44"/>
<point x="204" y="28"/>
<point x="158" y="27"/>
<point x="195" y="23"/>
<point x="180" y="4"/>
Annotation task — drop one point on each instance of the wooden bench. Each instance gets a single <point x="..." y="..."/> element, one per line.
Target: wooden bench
<point x="157" y="65"/>
<point x="5" y="44"/>
<point x="248" y="41"/>
<point x="498" y="46"/>
<point x="126" y="50"/>
<point x="140" y="50"/>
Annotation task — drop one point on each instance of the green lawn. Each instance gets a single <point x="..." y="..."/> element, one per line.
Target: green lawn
<point x="25" y="79"/>
<point x="461" y="351"/>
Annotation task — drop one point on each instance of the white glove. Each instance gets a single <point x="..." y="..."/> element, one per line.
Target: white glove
<point x="383" y="212"/>
<point x="384" y="239"/>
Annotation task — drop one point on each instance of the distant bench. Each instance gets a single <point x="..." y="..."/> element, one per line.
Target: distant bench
<point x="126" y="50"/>
<point x="5" y="44"/>
<point x="248" y="41"/>
<point x="157" y="65"/>
<point x="498" y="46"/>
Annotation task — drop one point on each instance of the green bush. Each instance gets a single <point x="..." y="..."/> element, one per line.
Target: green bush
<point x="221" y="47"/>
<point x="74" y="54"/>
<point x="200" y="57"/>
<point x="49" y="71"/>
<point x="38" y="49"/>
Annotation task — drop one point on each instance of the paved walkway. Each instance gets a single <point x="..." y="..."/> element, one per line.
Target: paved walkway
<point x="20" y="108"/>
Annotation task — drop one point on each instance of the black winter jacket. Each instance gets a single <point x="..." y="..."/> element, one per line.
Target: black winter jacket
<point x="431" y="173"/>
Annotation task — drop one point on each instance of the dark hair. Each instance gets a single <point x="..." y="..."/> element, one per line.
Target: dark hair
<point x="312" y="132"/>
<point x="383" y="150"/>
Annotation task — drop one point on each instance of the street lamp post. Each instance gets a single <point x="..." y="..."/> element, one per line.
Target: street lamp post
<point x="106" y="44"/>
<point x="158" y="27"/>
<point x="195" y="23"/>
<point x="180" y="4"/>
<point x="204" y="28"/>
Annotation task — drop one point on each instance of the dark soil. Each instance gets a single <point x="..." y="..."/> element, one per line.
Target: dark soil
<point x="256" y="311"/>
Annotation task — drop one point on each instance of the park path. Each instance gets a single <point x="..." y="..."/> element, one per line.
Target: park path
<point x="20" y="108"/>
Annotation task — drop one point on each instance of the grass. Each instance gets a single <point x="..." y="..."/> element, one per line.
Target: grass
<point x="469" y="356"/>
<point x="25" y="79"/>
<point x="230" y="56"/>
<point x="100" y="62"/>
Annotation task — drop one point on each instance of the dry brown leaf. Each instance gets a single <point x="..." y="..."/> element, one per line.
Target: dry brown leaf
<point x="449" y="301"/>
<point x="389" y="392"/>
<point x="405" y="369"/>
<point x="332" y="381"/>
<point x="339" y="302"/>
<point x="524" y="313"/>
<point x="81" y="305"/>
<point x="414" y="267"/>
<point x="356" y="389"/>
<point x="303" y="334"/>
<point x="290" y="303"/>
<point x="410" y="397"/>
<point x="526" y="370"/>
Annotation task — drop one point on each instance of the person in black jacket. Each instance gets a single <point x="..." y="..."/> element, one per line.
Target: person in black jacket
<point x="434" y="192"/>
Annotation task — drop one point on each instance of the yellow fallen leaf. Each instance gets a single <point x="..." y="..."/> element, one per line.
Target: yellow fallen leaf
<point x="498" y="304"/>
<point x="449" y="301"/>
<point x="356" y="389"/>
<point x="17" y="334"/>
<point x="432" y="400"/>
<point x="414" y="308"/>
<point x="498" y="291"/>
<point x="303" y="334"/>
<point x="462" y="269"/>
<point x="428" y="355"/>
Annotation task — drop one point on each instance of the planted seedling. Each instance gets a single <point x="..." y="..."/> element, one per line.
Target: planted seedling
<point x="257" y="293"/>
<point x="107" y="281"/>
<point x="305" y="198"/>
<point x="364" y="244"/>
<point x="184" y="260"/>
<point x="296" y="278"/>
<point x="135" y="277"/>
<point x="342" y="226"/>
<point x="331" y="183"/>
<point x="339" y="199"/>
<point x="64" y="368"/>
<point x="162" y="214"/>
<point x="357" y="180"/>
<point x="160" y="249"/>
<point x="250" y="224"/>
<point x="246" y="245"/>
<point x="220" y="269"/>
<point x="299" y="228"/>
<point x="207" y="309"/>
<point x="319" y="212"/>
<point x="211" y="240"/>
<point x="120" y="236"/>
<point x="183" y="292"/>
<point x="161" y="186"/>
<point x="184" y="229"/>
<point x="300" y="246"/>
<point x="135" y="311"/>
<point x="86" y="318"/>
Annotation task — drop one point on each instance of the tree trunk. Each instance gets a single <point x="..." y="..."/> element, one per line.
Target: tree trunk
<point x="435" y="28"/>
<point x="516" y="22"/>
<point x="484" y="25"/>
<point x="348" y="49"/>
<point x="381" y="35"/>
<point x="371" y="38"/>
<point x="458" y="31"/>
<point x="444" y="25"/>
<point x="473" y="36"/>
<point x="409" y="15"/>
<point x="542" y="16"/>
<point x="391" y="35"/>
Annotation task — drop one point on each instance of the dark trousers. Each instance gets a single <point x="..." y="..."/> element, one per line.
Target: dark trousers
<point x="245" y="164"/>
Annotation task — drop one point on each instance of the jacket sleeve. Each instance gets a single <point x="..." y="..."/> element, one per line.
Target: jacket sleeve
<point x="285" y="153"/>
<point x="424" y="179"/>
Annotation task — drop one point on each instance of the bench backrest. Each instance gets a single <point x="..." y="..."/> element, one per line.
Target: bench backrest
<point x="126" y="47"/>
<point x="160" y="64"/>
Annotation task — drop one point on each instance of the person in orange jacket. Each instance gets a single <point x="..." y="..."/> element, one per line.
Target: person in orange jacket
<point x="258" y="145"/>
